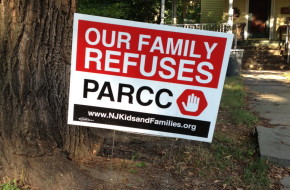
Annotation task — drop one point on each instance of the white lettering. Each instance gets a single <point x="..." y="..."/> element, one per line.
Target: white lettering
<point x="182" y="70"/>
<point x="171" y="49"/>
<point x="167" y="68"/>
<point x="88" y="58"/>
<point x="185" y="50"/>
<point x="157" y="45"/>
<point x="110" y="60"/>
<point x="127" y="62"/>
<point x="204" y="72"/>
<point x="126" y="39"/>
<point x="209" y="49"/>
<point x="153" y="69"/>
<point x="87" y="36"/>
<point x="142" y="42"/>
<point x="191" y="52"/>
<point x="113" y="37"/>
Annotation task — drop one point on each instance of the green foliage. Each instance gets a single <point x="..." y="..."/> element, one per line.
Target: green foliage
<point x="134" y="156"/>
<point x="102" y="8"/>
<point x="255" y="173"/>
<point x="11" y="185"/>
<point x="137" y="10"/>
<point x="132" y="170"/>
<point x="212" y="18"/>
<point x="140" y="165"/>
<point x="193" y="12"/>
<point x="188" y="12"/>
<point x="141" y="10"/>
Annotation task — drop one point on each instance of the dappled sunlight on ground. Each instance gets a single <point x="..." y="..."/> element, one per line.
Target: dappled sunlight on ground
<point x="275" y="97"/>
<point x="272" y="75"/>
<point x="269" y="95"/>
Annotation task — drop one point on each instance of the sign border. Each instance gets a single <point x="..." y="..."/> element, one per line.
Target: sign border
<point x="220" y="85"/>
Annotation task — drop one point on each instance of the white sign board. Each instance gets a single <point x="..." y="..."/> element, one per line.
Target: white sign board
<point x="146" y="78"/>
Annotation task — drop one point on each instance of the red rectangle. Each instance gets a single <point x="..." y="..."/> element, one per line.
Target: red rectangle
<point x="149" y="54"/>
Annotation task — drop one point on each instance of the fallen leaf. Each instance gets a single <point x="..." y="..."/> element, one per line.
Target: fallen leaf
<point x="228" y="157"/>
<point x="278" y="176"/>
<point x="196" y="182"/>
<point x="237" y="188"/>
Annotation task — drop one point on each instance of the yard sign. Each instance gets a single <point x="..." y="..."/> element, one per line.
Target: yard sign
<point x="146" y="78"/>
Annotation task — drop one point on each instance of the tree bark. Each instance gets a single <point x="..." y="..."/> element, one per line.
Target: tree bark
<point x="35" y="46"/>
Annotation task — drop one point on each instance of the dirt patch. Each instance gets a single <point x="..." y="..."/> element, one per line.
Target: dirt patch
<point x="147" y="162"/>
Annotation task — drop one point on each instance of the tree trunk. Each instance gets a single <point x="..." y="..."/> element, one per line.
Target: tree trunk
<point x="35" y="46"/>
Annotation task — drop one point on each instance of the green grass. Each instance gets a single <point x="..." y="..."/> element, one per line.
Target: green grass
<point x="133" y="168"/>
<point x="233" y="100"/>
<point x="233" y="93"/>
<point x="140" y="165"/>
<point x="10" y="185"/>
<point x="243" y="117"/>
<point x="230" y="151"/>
<point x="255" y="173"/>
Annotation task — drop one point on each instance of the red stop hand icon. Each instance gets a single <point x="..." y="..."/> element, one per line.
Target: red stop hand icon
<point x="191" y="102"/>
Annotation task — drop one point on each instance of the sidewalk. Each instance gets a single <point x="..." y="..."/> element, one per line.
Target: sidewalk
<point x="269" y="97"/>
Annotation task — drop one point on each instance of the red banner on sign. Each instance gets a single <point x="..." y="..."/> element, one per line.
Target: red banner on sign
<point x="150" y="54"/>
